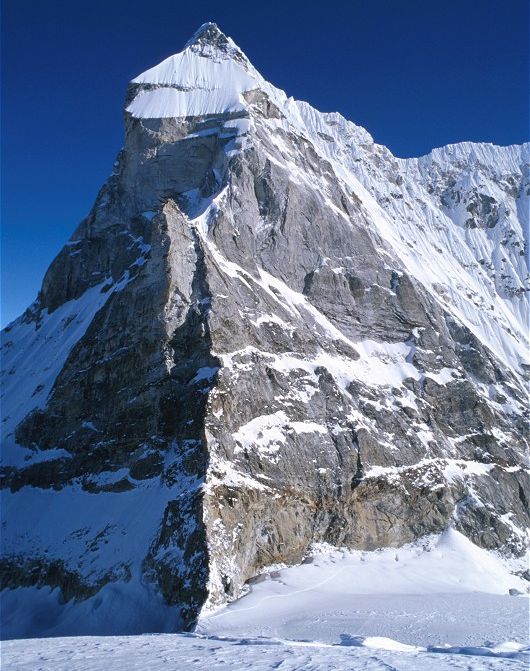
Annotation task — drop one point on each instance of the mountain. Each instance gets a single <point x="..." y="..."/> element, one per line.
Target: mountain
<point x="268" y="332"/>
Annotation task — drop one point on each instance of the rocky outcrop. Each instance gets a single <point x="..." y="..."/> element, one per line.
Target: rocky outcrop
<point x="268" y="332"/>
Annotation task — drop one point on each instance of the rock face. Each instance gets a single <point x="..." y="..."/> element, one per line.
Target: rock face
<point x="269" y="331"/>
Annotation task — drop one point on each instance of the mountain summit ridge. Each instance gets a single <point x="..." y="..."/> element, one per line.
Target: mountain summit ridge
<point x="268" y="332"/>
<point x="210" y="33"/>
<point x="231" y="90"/>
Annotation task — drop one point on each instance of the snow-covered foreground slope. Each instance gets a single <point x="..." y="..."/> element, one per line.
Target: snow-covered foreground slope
<point x="188" y="652"/>
<point x="439" y="604"/>
<point x="441" y="591"/>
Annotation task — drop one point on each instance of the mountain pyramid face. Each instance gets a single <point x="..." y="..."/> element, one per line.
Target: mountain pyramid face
<point x="268" y="332"/>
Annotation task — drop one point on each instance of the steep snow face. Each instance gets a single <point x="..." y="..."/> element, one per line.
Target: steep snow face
<point x="192" y="84"/>
<point x="208" y="77"/>
<point x="33" y="354"/>
<point x="464" y="208"/>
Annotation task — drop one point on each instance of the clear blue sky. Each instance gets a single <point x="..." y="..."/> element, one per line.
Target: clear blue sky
<point x="416" y="73"/>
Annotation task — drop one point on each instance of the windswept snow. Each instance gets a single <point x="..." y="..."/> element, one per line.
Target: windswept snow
<point x="195" y="82"/>
<point x="190" y="652"/>
<point x="167" y="102"/>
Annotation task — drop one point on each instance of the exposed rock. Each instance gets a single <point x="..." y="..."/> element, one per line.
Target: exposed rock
<point x="268" y="332"/>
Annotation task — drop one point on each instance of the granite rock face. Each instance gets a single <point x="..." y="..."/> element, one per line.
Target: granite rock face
<point x="268" y="332"/>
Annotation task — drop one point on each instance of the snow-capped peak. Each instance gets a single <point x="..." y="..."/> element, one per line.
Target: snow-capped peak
<point x="210" y="38"/>
<point x="208" y="77"/>
<point x="211" y="75"/>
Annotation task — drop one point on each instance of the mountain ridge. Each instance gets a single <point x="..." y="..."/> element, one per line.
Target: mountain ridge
<point x="268" y="332"/>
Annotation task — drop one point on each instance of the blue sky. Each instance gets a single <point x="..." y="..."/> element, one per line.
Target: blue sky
<point x="416" y="74"/>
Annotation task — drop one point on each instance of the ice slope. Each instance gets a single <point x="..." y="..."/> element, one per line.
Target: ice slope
<point x="192" y="84"/>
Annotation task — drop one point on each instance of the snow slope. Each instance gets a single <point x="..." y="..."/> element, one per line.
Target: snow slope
<point x="439" y="604"/>
<point x="441" y="591"/>
<point x="188" y="652"/>
<point x="33" y="354"/>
